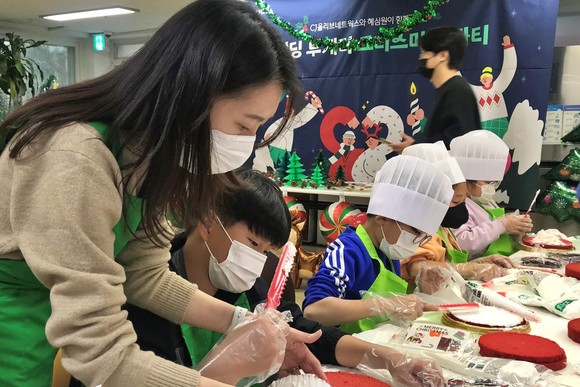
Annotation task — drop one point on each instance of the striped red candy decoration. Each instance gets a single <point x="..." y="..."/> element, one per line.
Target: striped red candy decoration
<point x="336" y="218"/>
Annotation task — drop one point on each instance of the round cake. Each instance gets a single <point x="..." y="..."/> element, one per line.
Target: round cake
<point x="522" y="346"/>
<point x="346" y="379"/>
<point x="486" y="319"/>
<point x="572" y="270"/>
<point x="550" y="239"/>
<point x="574" y="330"/>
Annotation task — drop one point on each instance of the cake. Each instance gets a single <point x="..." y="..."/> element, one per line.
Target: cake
<point x="486" y="319"/>
<point x="301" y="380"/>
<point x="572" y="270"/>
<point x="525" y="347"/>
<point x="347" y="379"/>
<point x="550" y="239"/>
<point x="574" y="330"/>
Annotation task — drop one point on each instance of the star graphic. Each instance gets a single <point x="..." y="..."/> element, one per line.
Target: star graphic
<point x="523" y="78"/>
<point x="514" y="13"/>
<point x="539" y="48"/>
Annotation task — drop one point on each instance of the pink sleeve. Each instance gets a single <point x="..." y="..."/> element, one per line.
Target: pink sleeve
<point x="479" y="231"/>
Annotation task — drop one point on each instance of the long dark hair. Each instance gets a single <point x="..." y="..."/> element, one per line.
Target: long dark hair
<point x="158" y="102"/>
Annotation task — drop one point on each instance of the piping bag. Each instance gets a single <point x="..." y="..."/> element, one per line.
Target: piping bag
<point x="281" y="276"/>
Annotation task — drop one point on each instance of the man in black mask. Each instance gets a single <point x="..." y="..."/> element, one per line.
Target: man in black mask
<point x="455" y="110"/>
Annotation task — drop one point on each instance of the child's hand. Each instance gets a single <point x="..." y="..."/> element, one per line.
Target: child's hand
<point x="517" y="224"/>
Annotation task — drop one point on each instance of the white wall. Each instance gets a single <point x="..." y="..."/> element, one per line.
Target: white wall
<point x="570" y="92"/>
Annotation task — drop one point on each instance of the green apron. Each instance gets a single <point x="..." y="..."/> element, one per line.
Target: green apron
<point x="386" y="281"/>
<point x="504" y="245"/>
<point x="27" y="357"/>
<point x="454" y="256"/>
<point x="200" y="341"/>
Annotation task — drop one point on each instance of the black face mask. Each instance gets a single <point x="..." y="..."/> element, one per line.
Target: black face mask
<point x="424" y="70"/>
<point x="456" y="216"/>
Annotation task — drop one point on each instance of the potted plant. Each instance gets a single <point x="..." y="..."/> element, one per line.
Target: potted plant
<point x="18" y="74"/>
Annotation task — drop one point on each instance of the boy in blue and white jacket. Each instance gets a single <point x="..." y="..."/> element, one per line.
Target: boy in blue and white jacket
<point x="410" y="197"/>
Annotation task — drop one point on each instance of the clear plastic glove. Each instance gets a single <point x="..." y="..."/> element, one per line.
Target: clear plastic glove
<point x="254" y="348"/>
<point x="433" y="278"/>
<point x="405" y="370"/>
<point x="516" y="224"/>
<point x="396" y="307"/>
<point x="497" y="259"/>
<point x="480" y="271"/>
<point x="298" y="357"/>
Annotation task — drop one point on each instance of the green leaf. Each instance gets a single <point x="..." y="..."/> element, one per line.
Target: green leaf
<point x="36" y="44"/>
<point x="3" y="65"/>
<point x="20" y="68"/>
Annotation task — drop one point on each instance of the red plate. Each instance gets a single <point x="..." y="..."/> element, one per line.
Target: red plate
<point x="528" y="240"/>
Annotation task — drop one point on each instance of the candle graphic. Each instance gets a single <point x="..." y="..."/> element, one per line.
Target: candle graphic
<point x="414" y="119"/>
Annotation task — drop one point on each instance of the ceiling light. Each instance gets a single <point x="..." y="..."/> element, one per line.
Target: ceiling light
<point x="90" y="13"/>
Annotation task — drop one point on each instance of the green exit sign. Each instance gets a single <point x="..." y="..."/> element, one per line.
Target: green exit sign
<point x="99" y="43"/>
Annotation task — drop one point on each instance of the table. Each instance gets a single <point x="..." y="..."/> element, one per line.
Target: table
<point x="552" y="327"/>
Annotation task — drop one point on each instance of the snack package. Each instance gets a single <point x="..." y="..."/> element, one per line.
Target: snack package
<point x="433" y="337"/>
<point x="559" y="295"/>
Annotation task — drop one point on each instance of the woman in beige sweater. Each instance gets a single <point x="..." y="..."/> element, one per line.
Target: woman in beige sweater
<point x="87" y="174"/>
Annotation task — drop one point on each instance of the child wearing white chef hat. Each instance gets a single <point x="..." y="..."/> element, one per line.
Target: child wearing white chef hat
<point x="444" y="247"/>
<point x="483" y="158"/>
<point x="409" y="199"/>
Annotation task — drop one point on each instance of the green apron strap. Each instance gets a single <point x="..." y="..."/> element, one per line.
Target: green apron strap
<point x="504" y="245"/>
<point x="453" y="255"/>
<point x="386" y="281"/>
<point x="28" y="357"/>
<point x="200" y="341"/>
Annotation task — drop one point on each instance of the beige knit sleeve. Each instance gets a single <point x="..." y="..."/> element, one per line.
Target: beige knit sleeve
<point x="64" y="203"/>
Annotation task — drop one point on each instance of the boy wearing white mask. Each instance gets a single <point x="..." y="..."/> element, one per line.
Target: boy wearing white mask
<point x="483" y="158"/>
<point x="409" y="199"/>
<point x="225" y="259"/>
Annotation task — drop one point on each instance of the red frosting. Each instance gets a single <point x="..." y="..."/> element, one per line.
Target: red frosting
<point x="346" y="379"/>
<point x="574" y="330"/>
<point x="522" y="346"/>
<point x="573" y="270"/>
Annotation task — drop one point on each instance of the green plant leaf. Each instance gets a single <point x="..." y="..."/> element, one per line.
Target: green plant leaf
<point x="18" y="65"/>
<point x="36" y="44"/>
<point x="3" y="65"/>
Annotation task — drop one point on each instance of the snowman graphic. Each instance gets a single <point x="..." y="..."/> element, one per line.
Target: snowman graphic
<point x="372" y="159"/>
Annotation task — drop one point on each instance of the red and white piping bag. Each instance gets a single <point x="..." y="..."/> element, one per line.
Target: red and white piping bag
<point x="281" y="276"/>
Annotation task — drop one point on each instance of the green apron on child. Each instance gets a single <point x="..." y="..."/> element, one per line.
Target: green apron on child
<point x="455" y="256"/>
<point x="504" y="245"/>
<point x="386" y="281"/>
<point x="27" y="357"/>
<point x="200" y="341"/>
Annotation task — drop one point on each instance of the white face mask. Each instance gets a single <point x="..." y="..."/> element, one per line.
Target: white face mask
<point x="228" y="151"/>
<point x="403" y="248"/>
<point x="239" y="271"/>
<point x="487" y="193"/>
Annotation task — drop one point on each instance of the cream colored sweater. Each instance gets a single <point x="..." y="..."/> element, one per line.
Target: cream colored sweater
<point x="58" y="204"/>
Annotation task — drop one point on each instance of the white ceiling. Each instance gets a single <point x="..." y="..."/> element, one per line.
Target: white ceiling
<point x="25" y="14"/>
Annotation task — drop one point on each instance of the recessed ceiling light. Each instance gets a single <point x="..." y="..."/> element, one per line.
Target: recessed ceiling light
<point x="112" y="11"/>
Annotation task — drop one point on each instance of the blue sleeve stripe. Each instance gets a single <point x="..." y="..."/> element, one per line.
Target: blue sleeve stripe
<point x="334" y="262"/>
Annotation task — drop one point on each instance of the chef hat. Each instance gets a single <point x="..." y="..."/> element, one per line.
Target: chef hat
<point x="481" y="155"/>
<point x="411" y="191"/>
<point x="349" y="134"/>
<point x="437" y="155"/>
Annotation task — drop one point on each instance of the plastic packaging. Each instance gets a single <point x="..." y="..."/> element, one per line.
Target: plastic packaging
<point x="511" y="372"/>
<point x="559" y="295"/>
<point x="485" y="296"/>
<point x="404" y="370"/>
